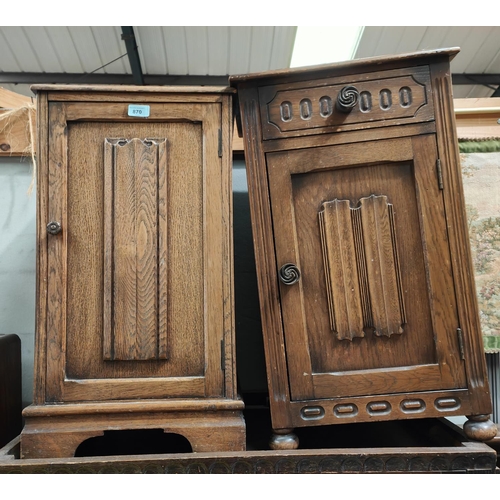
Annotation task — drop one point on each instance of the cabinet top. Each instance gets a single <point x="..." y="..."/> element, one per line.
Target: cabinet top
<point x="165" y="89"/>
<point x="345" y="67"/>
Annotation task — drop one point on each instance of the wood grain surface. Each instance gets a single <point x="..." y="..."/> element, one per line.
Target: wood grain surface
<point x="135" y="292"/>
<point x="414" y="272"/>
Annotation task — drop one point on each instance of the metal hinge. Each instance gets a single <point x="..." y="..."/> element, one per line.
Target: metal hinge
<point x="220" y="143"/>
<point x="439" y="174"/>
<point x="222" y="355"/>
<point x="461" y="343"/>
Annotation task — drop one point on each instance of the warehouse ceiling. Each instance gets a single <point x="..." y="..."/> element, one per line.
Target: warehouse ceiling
<point x="174" y="55"/>
<point x="201" y="55"/>
<point x="475" y="70"/>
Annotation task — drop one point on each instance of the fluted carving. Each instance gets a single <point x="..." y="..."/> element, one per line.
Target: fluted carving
<point x="135" y="271"/>
<point x="362" y="269"/>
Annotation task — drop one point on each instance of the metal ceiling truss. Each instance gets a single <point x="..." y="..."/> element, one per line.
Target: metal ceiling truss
<point x="491" y="80"/>
<point x="110" y="78"/>
<point x="128" y="37"/>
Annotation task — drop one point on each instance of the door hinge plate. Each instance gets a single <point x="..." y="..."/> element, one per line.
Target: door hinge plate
<point x="220" y="143"/>
<point x="439" y="174"/>
<point x="460" y="336"/>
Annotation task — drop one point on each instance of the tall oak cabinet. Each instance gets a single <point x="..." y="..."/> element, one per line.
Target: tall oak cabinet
<point x="135" y="324"/>
<point x="363" y="261"/>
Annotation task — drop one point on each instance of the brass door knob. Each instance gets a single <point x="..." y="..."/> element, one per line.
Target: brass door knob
<point x="54" y="227"/>
<point x="289" y="274"/>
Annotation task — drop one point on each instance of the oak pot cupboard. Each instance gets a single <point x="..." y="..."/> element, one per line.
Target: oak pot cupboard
<point x="363" y="261"/>
<point x="135" y="325"/>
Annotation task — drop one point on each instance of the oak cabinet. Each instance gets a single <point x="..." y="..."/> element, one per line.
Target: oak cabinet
<point x="363" y="262"/>
<point x="135" y="325"/>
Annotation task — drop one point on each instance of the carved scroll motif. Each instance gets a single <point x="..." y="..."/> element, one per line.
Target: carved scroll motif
<point x="135" y="238"/>
<point x="361" y="263"/>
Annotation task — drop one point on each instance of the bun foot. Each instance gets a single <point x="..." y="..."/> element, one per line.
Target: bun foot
<point x="284" y="439"/>
<point x="480" y="428"/>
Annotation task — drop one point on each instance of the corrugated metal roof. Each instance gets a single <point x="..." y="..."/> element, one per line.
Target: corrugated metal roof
<point x="480" y="48"/>
<point x="163" y="50"/>
<point x="76" y="51"/>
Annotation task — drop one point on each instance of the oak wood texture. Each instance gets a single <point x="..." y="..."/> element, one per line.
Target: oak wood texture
<point x="399" y="97"/>
<point x="361" y="240"/>
<point x="432" y="447"/>
<point x="400" y="260"/>
<point x="135" y="270"/>
<point x="135" y="294"/>
<point x="208" y="427"/>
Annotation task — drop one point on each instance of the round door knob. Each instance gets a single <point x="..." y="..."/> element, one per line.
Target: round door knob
<point x="289" y="274"/>
<point x="347" y="99"/>
<point x="54" y="227"/>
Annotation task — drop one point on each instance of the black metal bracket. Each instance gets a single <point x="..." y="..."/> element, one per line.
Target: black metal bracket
<point x="128" y="37"/>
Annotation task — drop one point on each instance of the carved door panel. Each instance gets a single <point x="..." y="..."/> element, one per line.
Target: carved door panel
<point x="363" y="231"/>
<point x="135" y="288"/>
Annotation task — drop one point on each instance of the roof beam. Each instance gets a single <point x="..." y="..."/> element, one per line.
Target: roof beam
<point x="128" y="37"/>
<point x="475" y="78"/>
<point x="110" y="78"/>
<point x="492" y="79"/>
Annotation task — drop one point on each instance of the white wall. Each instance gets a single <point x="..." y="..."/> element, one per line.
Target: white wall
<point x="17" y="260"/>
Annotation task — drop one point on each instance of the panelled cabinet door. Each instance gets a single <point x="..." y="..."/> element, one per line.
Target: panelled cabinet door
<point x="134" y="286"/>
<point x="365" y="230"/>
<point x="363" y="264"/>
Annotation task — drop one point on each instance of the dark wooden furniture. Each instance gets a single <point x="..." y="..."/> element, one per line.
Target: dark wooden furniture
<point x="407" y="446"/>
<point x="135" y="326"/>
<point x="364" y="270"/>
<point x="10" y="388"/>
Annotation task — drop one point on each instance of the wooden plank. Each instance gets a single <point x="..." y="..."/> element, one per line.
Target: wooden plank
<point x="450" y="454"/>
<point x="212" y="249"/>
<point x="341" y="271"/>
<point x="377" y="222"/>
<point x="17" y="132"/>
<point x="131" y="406"/>
<point x="158" y="387"/>
<point x="12" y="100"/>
<point x="262" y="229"/>
<point x="229" y="354"/>
<point x="477" y="118"/>
<point x="42" y="260"/>
<point x="57" y="245"/>
<point x="461" y="260"/>
<point x="388" y="406"/>
<point x="375" y="381"/>
<point x="135" y="89"/>
<point x="17" y="124"/>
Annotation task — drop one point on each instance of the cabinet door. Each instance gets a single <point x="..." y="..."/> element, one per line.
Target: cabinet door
<point x="138" y="276"/>
<point x="373" y="311"/>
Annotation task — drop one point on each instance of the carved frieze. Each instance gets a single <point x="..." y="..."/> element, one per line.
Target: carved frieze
<point x="308" y="109"/>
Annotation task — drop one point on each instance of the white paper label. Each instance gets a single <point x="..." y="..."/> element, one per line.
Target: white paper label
<point x="138" y="110"/>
